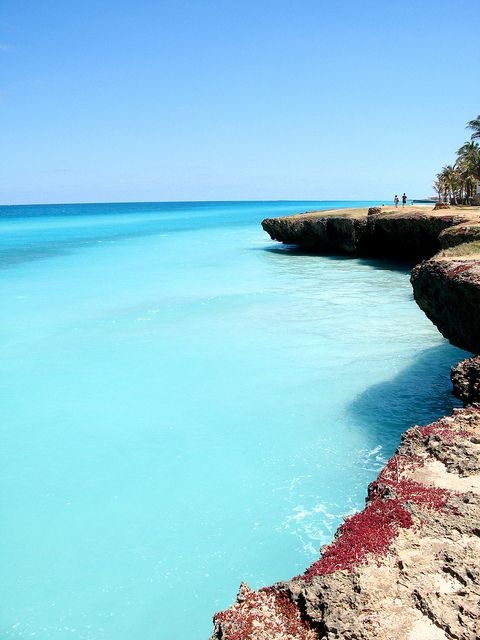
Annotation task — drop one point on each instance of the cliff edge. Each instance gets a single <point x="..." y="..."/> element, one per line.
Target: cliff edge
<point x="398" y="233"/>
<point x="447" y="289"/>
<point x="407" y="567"/>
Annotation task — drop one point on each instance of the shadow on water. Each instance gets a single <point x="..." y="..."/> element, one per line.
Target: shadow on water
<point x="387" y="264"/>
<point x="419" y="394"/>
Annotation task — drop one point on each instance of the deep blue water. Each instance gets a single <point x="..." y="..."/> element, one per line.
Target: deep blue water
<point x="186" y="404"/>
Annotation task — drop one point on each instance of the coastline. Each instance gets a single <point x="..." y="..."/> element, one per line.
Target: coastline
<point x="408" y="565"/>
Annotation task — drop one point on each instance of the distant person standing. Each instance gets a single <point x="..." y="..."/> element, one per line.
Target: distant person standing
<point x="396" y="200"/>
<point x="404" y="200"/>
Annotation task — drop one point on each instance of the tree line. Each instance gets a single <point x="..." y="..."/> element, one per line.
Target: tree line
<point x="457" y="183"/>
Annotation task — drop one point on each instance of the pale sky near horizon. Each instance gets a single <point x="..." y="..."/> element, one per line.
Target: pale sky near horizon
<point x="256" y="99"/>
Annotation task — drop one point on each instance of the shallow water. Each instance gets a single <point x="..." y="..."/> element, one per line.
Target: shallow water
<point x="186" y="405"/>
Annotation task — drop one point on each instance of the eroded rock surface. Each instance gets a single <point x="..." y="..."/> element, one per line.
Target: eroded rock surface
<point x="466" y="380"/>
<point x="407" y="235"/>
<point x="320" y="233"/>
<point x="448" y="291"/>
<point x="405" y="568"/>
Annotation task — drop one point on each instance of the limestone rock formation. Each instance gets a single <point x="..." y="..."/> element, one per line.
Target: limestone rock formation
<point x="412" y="235"/>
<point x="448" y="291"/>
<point x="405" y="568"/>
<point x="466" y="380"/>
<point x="325" y="234"/>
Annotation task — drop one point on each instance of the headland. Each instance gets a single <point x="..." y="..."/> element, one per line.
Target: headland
<point x="407" y="567"/>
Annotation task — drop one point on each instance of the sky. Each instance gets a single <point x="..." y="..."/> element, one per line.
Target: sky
<point x="160" y="100"/>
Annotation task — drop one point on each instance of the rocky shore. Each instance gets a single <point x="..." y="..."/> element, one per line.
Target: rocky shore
<point x="407" y="567"/>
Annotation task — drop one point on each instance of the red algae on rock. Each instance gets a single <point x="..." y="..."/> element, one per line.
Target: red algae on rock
<point x="455" y="271"/>
<point x="266" y="614"/>
<point x="405" y="567"/>
<point x="394" y="473"/>
<point x="368" y="532"/>
<point x="443" y="431"/>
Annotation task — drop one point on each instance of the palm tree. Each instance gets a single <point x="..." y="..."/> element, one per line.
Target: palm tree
<point x="468" y="148"/>
<point x="439" y="187"/>
<point x="461" y="180"/>
<point x="468" y="166"/>
<point x="469" y="158"/>
<point x="475" y="125"/>
<point x="450" y="179"/>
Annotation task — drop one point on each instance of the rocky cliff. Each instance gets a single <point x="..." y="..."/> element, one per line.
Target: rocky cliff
<point x="447" y="289"/>
<point x="408" y="566"/>
<point x="413" y="235"/>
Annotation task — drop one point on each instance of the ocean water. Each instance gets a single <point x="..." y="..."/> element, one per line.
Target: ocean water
<point x="186" y="404"/>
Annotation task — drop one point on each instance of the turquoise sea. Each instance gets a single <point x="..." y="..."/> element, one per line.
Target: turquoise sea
<point x="186" y="404"/>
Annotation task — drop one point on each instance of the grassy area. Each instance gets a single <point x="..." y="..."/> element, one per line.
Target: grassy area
<point x="465" y="250"/>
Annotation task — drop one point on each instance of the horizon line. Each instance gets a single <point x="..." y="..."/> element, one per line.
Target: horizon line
<point x="39" y="204"/>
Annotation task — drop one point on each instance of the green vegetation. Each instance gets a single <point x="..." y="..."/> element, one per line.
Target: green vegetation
<point x="470" y="249"/>
<point x="457" y="183"/>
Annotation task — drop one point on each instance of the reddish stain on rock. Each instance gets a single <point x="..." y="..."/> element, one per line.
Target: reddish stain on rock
<point x="452" y="273"/>
<point x="267" y="613"/>
<point x="444" y="432"/>
<point x="371" y="531"/>
<point x="367" y="532"/>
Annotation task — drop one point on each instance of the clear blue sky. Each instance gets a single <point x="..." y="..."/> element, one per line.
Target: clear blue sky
<point x="233" y="99"/>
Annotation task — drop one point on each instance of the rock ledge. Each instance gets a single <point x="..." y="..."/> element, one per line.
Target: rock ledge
<point x="406" y="568"/>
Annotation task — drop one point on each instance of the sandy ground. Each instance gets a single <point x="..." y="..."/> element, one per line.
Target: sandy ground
<point x="469" y="213"/>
